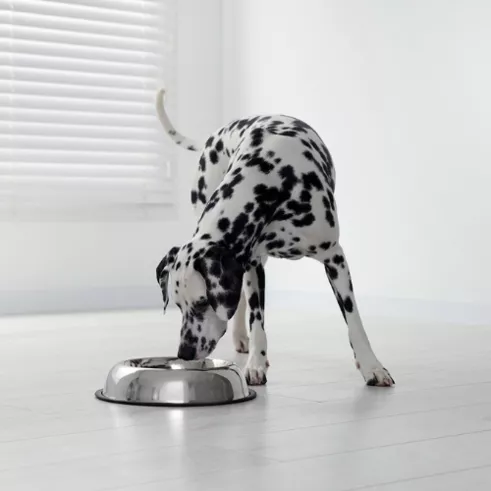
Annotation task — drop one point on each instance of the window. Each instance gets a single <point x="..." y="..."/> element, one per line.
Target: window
<point x="78" y="129"/>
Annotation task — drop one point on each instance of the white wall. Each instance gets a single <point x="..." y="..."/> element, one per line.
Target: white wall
<point x="400" y="91"/>
<point x="84" y="265"/>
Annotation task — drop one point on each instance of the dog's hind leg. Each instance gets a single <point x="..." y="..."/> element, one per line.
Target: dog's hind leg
<point x="239" y="327"/>
<point x="339" y="276"/>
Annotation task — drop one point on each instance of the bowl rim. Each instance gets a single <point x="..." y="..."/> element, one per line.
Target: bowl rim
<point x="223" y="364"/>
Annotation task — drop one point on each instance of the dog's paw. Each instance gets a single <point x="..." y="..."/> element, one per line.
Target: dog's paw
<point x="255" y="371"/>
<point x="376" y="375"/>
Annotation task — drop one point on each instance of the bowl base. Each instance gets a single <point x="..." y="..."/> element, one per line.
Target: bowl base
<point x="100" y="395"/>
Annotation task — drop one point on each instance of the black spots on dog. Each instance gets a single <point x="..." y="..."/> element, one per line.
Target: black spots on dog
<point x="311" y="181"/>
<point x="289" y="133"/>
<point x="305" y="196"/>
<point x="263" y="165"/>
<point x="281" y="215"/>
<point x="273" y="127"/>
<point x="338" y="260"/>
<point x="231" y="238"/>
<point x="306" y="143"/>
<point x="209" y="142"/>
<point x="296" y="239"/>
<point x="270" y="154"/>
<point x="308" y="155"/>
<point x="219" y="146"/>
<point x="190" y="338"/>
<point x="277" y="160"/>
<point x="287" y="174"/>
<point x="270" y="236"/>
<point x="212" y="345"/>
<point x="268" y="194"/>
<point x="194" y="196"/>
<point x="199" y="328"/>
<point x="252" y="317"/>
<point x="213" y="157"/>
<point x="223" y="224"/>
<point x="206" y="236"/>
<point x="331" y="271"/>
<point x="325" y="245"/>
<point x="172" y="132"/>
<point x="331" y="200"/>
<point x="348" y="305"/>
<point x="250" y="229"/>
<point x="202" y="163"/>
<point x="249" y="207"/>
<point x="340" y="301"/>
<point x="227" y="188"/>
<point x="201" y="188"/>
<point x="312" y="249"/>
<point x="259" y="317"/>
<point x="305" y="221"/>
<point x="275" y="244"/>
<point x="298" y="207"/>
<point x="239" y="223"/>
<point x="301" y="127"/>
<point x="263" y="353"/>
<point x="212" y="202"/>
<point x="329" y="215"/>
<point x="294" y="252"/>
<point x="254" y="301"/>
<point x="227" y="299"/>
<point x="257" y="137"/>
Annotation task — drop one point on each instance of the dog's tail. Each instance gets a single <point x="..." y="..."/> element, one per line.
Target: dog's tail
<point x="181" y="140"/>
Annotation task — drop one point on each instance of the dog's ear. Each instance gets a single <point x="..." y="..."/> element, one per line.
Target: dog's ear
<point x="163" y="270"/>
<point x="223" y="277"/>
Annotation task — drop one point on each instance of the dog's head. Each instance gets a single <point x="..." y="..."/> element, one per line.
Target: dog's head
<point x="206" y="284"/>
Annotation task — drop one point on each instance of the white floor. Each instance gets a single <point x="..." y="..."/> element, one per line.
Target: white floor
<point x="315" y="426"/>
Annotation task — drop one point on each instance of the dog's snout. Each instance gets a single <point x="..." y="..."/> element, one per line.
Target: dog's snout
<point x="186" y="352"/>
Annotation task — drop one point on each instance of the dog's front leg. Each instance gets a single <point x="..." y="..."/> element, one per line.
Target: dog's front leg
<point x="257" y="364"/>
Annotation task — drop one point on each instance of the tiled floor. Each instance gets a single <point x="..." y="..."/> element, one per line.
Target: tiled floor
<point x="315" y="426"/>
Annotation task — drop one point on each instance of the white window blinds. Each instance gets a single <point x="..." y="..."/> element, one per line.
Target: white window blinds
<point x="78" y="79"/>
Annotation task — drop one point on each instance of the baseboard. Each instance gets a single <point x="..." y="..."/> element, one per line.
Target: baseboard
<point x="409" y="309"/>
<point x="141" y="297"/>
<point x="79" y="300"/>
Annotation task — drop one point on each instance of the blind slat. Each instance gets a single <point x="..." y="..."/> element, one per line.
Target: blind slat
<point x="69" y="104"/>
<point x="70" y="51"/>
<point x="26" y="87"/>
<point x="62" y="35"/>
<point x="120" y="24"/>
<point x="77" y="130"/>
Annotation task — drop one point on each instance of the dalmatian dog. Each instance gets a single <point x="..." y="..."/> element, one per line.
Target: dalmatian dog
<point x="264" y="187"/>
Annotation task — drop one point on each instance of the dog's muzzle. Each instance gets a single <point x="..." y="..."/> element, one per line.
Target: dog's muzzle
<point x="186" y="352"/>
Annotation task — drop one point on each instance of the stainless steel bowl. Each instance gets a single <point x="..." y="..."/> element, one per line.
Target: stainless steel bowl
<point x="165" y="381"/>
